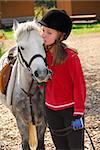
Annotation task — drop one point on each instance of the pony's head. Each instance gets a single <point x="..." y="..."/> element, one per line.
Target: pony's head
<point x="31" y="53"/>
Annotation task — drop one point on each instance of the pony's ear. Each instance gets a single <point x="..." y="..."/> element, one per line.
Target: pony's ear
<point x="35" y="20"/>
<point x="15" y="24"/>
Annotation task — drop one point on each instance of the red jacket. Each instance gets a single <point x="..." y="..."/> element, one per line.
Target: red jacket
<point x="67" y="86"/>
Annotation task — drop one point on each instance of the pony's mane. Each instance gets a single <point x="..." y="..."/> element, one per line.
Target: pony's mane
<point x="26" y="27"/>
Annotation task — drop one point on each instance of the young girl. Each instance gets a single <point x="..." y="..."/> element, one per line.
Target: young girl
<point x="66" y="91"/>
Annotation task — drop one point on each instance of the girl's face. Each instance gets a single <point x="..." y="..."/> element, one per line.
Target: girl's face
<point x="49" y="36"/>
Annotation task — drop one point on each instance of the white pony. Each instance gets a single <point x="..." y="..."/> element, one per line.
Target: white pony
<point x="24" y="93"/>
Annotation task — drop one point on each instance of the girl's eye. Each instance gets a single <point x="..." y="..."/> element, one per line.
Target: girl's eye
<point x="46" y="31"/>
<point x="49" y="33"/>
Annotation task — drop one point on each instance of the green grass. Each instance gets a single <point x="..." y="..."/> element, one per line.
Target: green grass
<point x="77" y="29"/>
<point x="8" y="33"/>
<point x="1" y="52"/>
<point x="1" y="49"/>
<point x="86" y="28"/>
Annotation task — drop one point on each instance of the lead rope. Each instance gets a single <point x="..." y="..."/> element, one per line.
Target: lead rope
<point x="68" y="130"/>
<point x="90" y="138"/>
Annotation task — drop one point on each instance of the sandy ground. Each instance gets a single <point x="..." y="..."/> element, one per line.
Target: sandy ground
<point x="88" y="46"/>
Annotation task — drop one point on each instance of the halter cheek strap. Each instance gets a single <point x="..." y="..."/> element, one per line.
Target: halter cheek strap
<point x="22" y="58"/>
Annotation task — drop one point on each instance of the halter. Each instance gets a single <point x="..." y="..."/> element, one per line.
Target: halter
<point x="31" y="60"/>
<point x="31" y="89"/>
<point x="28" y="67"/>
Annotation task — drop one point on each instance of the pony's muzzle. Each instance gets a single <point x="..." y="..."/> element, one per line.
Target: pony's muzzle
<point x="42" y="75"/>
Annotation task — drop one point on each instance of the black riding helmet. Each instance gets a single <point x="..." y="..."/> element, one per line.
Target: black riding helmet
<point x="58" y="20"/>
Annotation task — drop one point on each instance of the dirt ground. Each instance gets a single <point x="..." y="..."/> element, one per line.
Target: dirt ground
<point x="88" y="46"/>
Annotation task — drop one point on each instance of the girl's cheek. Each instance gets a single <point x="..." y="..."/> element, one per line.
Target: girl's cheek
<point x="43" y="35"/>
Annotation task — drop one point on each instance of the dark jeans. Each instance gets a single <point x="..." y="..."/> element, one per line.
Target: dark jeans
<point x="60" y="119"/>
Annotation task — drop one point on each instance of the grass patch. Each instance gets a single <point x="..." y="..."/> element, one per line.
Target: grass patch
<point x="8" y="33"/>
<point x="1" y="49"/>
<point x="85" y="28"/>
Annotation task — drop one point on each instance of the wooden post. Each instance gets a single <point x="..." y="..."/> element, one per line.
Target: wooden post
<point x="66" y="5"/>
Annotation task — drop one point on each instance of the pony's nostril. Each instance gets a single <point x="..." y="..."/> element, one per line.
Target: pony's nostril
<point x="41" y="74"/>
<point x="36" y="73"/>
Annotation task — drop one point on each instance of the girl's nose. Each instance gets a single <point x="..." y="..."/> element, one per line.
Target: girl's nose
<point x="43" y="35"/>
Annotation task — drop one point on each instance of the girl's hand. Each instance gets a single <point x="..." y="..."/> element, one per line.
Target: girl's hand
<point x="77" y="123"/>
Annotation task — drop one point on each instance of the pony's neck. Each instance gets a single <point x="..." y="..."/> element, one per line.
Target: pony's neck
<point x="24" y="77"/>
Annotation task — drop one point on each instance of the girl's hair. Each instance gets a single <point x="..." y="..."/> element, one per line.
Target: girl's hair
<point x="59" y="53"/>
<point x="58" y="50"/>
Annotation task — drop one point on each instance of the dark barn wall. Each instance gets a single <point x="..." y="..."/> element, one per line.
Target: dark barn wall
<point x="76" y="7"/>
<point x="66" y="5"/>
<point x="86" y="7"/>
<point x="20" y="10"/>
<point x="11" y="9"/>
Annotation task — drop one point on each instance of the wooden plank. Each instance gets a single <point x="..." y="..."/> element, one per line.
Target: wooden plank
<point x="84" y="21"/>
<point x="83" y="16"/>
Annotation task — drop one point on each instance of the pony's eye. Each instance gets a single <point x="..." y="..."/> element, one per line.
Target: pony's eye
<point x="22" y="48"/>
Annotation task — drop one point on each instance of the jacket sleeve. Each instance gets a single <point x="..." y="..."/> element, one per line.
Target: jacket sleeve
<point x="79" y="85"/>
